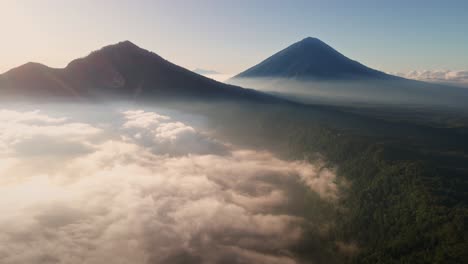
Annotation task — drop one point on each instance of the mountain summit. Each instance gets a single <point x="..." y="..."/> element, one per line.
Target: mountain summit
<point x="313" y="72"/>
<point x="122" y="70"/>
<point x="311" y="59"/>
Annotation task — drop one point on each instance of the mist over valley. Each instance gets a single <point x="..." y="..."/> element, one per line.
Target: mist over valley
<point x="124" y="155"/>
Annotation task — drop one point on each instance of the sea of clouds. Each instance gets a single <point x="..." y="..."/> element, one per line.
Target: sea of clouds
<point x="143" y="187"/>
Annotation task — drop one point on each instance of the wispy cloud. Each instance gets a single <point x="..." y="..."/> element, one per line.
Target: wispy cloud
<point x="441" y="76"/>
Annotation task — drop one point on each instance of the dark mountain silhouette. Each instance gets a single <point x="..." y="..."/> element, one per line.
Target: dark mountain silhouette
<point x="122" y="70"/>
<point x="311" y="58"/>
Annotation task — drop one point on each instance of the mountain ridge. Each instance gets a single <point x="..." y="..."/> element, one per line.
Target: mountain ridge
<point x="123" y="70"/>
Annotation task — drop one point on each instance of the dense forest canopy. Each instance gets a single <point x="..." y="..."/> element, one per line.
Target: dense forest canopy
<point x="405" y="197"/>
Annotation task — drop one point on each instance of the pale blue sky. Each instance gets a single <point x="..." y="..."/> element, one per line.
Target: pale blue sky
<point x="230" y="36"/>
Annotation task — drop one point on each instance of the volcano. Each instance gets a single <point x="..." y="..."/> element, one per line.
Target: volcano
<point x="122" y="70"/>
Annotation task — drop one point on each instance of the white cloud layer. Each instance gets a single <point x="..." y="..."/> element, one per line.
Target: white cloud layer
<point x="150" y="189"/>
<point x="441" y="76"/>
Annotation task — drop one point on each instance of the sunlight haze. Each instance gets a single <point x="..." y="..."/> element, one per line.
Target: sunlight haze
<point x="188" y="32"/>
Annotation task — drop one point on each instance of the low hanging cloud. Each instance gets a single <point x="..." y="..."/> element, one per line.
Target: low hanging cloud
<point x="147" y="189"/>
<point x="439" y="76"/>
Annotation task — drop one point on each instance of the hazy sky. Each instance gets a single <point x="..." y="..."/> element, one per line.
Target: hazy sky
<point x="230" y="36"/>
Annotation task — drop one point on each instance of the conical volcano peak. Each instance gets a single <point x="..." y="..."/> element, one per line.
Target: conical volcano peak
<point x="309" y="46"/>
<point x="310" y="40"/>
<point x="316" y="43"/>
<point x="311" y="58"/>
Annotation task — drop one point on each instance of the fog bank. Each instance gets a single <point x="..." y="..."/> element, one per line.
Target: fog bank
<point x="361" y="92"/>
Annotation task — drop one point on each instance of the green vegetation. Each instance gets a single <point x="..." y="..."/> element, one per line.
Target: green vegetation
<point x="400" y="210"/>
<point x="406" y="201"/>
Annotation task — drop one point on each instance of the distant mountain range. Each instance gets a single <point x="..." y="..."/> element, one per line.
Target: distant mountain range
<point x="306" y="71"/>
<point x="312" y="59"/>
<point x="122" y="70"/>
<point x="205" y="72"/>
